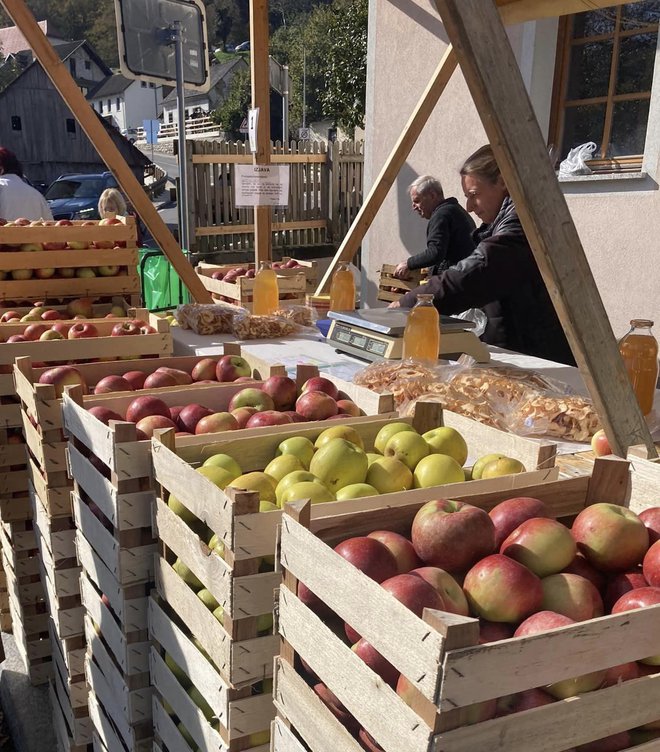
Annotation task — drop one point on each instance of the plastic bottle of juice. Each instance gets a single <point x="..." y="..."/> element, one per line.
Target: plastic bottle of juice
<point x="342" y="290"/>
<point x="639" y="350"/>
<point x="421" y="337"/>
<point x="266" y="296"/>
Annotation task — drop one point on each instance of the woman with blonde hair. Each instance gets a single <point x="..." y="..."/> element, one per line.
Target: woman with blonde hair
<point x="111" y="204"/>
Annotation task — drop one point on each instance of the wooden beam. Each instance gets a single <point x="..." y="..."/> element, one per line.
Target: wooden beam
<point x="520" y="11"/>
<point x="109" y="153"/>
<point x="493" y="77"/>
<point x="260" y="66"/>
<point x="392" y="166"/>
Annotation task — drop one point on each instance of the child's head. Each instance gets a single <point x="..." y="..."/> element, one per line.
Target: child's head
<point x="111" y="203"/>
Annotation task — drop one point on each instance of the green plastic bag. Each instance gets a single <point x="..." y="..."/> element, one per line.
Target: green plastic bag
<point x="161" y="286"/>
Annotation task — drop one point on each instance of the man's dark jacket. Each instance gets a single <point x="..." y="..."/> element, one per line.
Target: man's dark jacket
<point x="448" y="238"/>
<point x="502" y="278"/>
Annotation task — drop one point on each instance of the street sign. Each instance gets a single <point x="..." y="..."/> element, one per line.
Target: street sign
<point x="304" y="134"/>
<point x="151" y="129"/>
<point x="244" y="126"/>
<point x="146" y="52"/>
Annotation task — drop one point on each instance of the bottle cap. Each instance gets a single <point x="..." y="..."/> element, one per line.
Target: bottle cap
<point x="641" y="323"/>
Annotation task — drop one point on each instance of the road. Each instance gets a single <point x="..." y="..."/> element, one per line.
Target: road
<point x="167" y="162"/>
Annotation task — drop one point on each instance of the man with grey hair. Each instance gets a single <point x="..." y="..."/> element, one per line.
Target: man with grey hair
<point x="449" y="231"/>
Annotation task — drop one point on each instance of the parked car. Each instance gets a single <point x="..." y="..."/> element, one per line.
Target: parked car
<point x="77" y="196"/>
<point x="242" y="47"/>
<point x="131" y="134"/>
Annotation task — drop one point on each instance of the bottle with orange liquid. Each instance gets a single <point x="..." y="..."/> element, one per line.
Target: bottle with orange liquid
<point x="342" y="290"/>
<point x="639" y="350"/>
<point x="266" y="296"/>
<point x="421" y="337"/>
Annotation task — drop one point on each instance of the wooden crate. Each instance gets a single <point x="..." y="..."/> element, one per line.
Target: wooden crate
<point x="71" y="652"/>
<point x="292" y="288"/>
<point x="238" y="712"/>
<point x="14" y="502"/>
<point x="309" y="268"/>
<point x="68" y="727"/>
<point x="236" y="583"/>
<point x="440" y="654"/>
<point x="111" y="732"/>
<point x="125" y="282"/>
<point x="99" y="310"/>
<point x="387" y="280"/>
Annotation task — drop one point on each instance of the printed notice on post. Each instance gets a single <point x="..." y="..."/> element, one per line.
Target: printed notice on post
<point x="262" y="185"/>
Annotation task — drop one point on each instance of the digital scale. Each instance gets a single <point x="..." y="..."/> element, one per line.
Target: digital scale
<point x="377" y="333"/>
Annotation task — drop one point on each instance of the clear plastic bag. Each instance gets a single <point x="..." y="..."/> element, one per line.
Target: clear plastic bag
<point x="576" y="160"/>
<point x="206" y="319"/>
<point x="478" y="317"/>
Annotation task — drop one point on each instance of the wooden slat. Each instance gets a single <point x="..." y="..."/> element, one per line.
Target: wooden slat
<point x="287" y="158"/>
<point x="494" y="79"/>
<point x="520" y="11"/>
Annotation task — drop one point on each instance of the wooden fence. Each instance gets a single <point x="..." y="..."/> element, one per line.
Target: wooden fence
<point x="325" y="194"/>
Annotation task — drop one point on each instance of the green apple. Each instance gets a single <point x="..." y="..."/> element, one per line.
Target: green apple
<point x="316" y="492"/>
<point x="299" y="446"/>
<point x="408" y="447"/>
<point x="356" y="491"/>
<point x="187" y="575"/>
<point x="298" y="476"/>
<point x="219" y="476"/>
<point x="215" y="544"/>
<point x="263" y="484"/>
<point x="178" y="672"/>
<point x="282" y="466"/>
<point x="182" y="511"/>
<point x="208" y="599"/>
<point x="386" y="433"/>
<point x="219" y="614"/>
<point x="339" y="463"/>
<point x="390" y="475"/>
<point x="267" y="506"/>
<point x="339" y="432"/>
<point x="264" y="623"/>
<point x="197" y="697"/>
<point x="502" y="466"/>
<point x="481" y="463"/>
<point x="436" y="470"/>
<point x="226" y="462"/>
<point x="447" y="440"/>
<point x="372" y="457"/>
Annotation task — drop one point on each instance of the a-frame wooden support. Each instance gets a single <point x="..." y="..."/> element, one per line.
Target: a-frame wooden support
<point x="89" y="122"/>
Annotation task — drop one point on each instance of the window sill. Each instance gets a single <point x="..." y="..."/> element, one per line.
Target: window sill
<point x="603" y="177"/>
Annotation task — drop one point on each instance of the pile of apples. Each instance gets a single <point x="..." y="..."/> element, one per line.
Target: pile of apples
<point x="81" y="272"/>
<point x="231" y="275"/>
<point x="68" y="330"/>
<point x="521" y="573"/>
<point x="80" y="308"/>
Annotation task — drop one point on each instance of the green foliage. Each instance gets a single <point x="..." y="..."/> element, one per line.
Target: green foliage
<point x="234" y="108"/>
<point x="8" y="72"/>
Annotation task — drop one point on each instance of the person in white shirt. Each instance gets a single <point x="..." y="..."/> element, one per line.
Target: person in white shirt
<point x="18" y="198"/>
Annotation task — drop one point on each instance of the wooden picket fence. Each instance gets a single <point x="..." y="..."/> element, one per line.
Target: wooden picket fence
<point x="325" y="194"/>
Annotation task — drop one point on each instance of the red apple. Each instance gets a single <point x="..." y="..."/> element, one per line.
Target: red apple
<point x="104" y="414"/>
<point x="142" y="407"/>
<point x="321" y="384"/>
<point x="153" y="422"/>
<point x="637" y="598"/>
<point x="82" y="331"/>
<point x="216" y="422"/>
<point x="581" y="566"/>
<point x="51" y="315"/>
<point x="316" y="406"/>
<point x="542" y="545"/>
<point x="190" y="415"/>
<point x="81" y="307"/>
<point x="125" y="328"/>
<point x="9" y="316"/>
<point x="158" y="380"/>
<point x="252" y="397"/>
<point x="452" y="535"/>
<point x="376" y="662"/>
<point x="204" y="370"/>
<point x="622" y="583"/>
<point x="112" y="384"/>
<point x="348" y="407"/>
<point x="651" y="565"/>
<point x="530" y="698"/>
<point x="571" y="595"/>
<point x="400" y="547"/>
<point x="450" y="591"/>
<point x="494" y="631"/>
<point x="243" y="414"/>
<point x="330" y="700"/>
<point x="295" y="417"/>
<point x="244" y="380"/>
<point x="62" y="376"/>
<point x="651" y="519"/>
<point x="600" y="444"/>
<point x="542" y="621"/>
<point x="511" y="513"/>
<point x="135" y="378"/>
<point x="414" y="592"/>
<point x="34" y="331"/>
<point x="369" y="556"/>
<point x="230" y="367"/>
<point x="611" y="537"/>
<point x="17" y="338"/>
<point x="51" y="334"/>
<point x="283" y="391"/>
<point x="62" y="328"/>
<point x="623" y="672"/>
<point x="181" y="377"/>
<point x="267" y="418"/>
<point x="500" y="589"/>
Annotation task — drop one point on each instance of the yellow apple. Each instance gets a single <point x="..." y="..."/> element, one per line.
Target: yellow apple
<point x="372" y="457"/>
<point x="225" y="461"/>
<point x="283" y="465"/>
<point x="208" y="599"/>
<point x="447" y="440"/>
<point x="339" y="463"/>
<point x="297" y="476"/>
<point x="436" y="470"/>
<point x="356" y="491"/>
<point x="386" y="433"/>
<point x="187" y="575"/>
<point x="339" y="432"/>
<point x="300" y="446"/>
<point x="503" y="466"/>
<point x="481" y="463"/>
<point x="217" y="475"/>
<point x="389" y="475"/>
<point x="316" y="492"/>
<point x="407" y="447"/>
<point x="259" y="482"/>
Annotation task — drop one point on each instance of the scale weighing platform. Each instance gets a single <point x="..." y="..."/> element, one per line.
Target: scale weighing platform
<point x="377" y="333"/>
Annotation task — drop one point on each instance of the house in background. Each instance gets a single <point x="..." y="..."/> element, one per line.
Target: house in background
<point x="12" y="40"/>
<point x="593" y="76"/>
<point x="125" y="102"/>
<point x="199" y="103"/>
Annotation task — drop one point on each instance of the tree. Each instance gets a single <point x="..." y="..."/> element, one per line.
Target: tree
<point x="229" y="115"/>
<point x="9" y="70"/>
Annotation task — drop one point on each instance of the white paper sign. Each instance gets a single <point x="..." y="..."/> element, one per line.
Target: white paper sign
<point x="262" y="185"/>
<point x="253" y="123"/>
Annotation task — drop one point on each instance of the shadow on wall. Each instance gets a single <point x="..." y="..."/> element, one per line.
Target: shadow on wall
<point x="428" y="19"/>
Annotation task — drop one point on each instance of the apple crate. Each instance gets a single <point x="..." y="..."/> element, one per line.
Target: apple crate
<point x="239" y="714"/>
<point x="292" y="288"/>
<point x="99" y="309"/>
<point x="235" y="582"/>
<point x="107" y="253"/>
<point x="287" y="267"/>
<point x="73" y="732"/>
<point x="391" y="288"/>
<point x="14" y="500"/>
<point x="109" y="733"/>
<point x="440" y="654"/>
<point x="71" y="697"/>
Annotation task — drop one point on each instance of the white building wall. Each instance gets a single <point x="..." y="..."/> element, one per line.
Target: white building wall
<point x="141" y="104"/>
<point x="618" y="218"/>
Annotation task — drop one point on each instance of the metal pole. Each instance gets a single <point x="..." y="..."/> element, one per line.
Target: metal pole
<point x="285" y="104"/>
<point x="304" y="125"/>
<point x="183" y="161"/>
